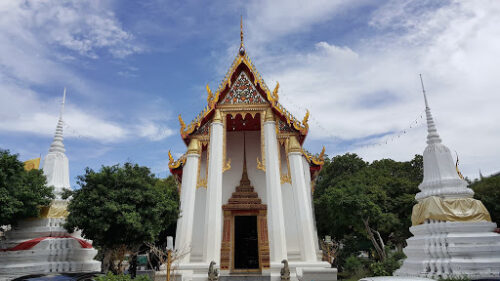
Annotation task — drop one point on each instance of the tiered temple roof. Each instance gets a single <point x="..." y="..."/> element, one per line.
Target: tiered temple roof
<point x="243" y="86"/>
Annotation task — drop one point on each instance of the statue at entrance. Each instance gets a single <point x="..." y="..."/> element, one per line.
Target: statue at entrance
<point x="285" y="271"/>
<point x="213" y="273"/>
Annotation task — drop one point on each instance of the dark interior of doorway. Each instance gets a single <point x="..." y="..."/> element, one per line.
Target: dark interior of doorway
<point x="246" y="243"/>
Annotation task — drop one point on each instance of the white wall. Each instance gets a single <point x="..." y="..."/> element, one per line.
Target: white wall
<point x="234" y="151"/>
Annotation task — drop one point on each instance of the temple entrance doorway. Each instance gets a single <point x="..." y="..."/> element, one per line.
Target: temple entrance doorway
<point x="246" y="243"/>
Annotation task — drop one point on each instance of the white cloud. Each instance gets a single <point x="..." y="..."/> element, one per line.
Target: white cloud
<point x="23" y="111"/>
<point x="269" y="20"/>
<point x="39" y="40"/>
<point x="82" y="26"/>
<point x="371" y="87"/>
<point x="153" y="131"/>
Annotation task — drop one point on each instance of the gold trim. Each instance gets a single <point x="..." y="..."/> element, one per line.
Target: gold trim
<point x="226" y="164"/>
<point x="242" y="113"/>
<point x="210" y="97"/>
<point x="316" y="160"/>
<point x="174" y="164"/>
<point x="294" y="145"/>
<point x="194" y="147"/>
<point x="240" y="107"/>
<point x="203" y="182"/>
<point x="261" y="165"/>
<point x="233" y="239"/>
<point x="284" y="178"/>
<point x="217" y="117"/>
<point x="269" y="115"/>
<point x="274" y="95"/>
<point x="182" y="124"/>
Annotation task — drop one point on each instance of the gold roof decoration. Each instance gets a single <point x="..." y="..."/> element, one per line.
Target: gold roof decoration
<point x="318" y="160"/>
<point x="272" y="97"/>
<point x="214" y="97"/>
<point x="210" y="97"/>
<point x="174" y="164"/>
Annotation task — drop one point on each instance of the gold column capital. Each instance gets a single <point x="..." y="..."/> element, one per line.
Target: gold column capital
<point x="194" y="147"/>
<point x="293" y="144"/>
<point x="269" y="115"/>
<point x="217" y="116"/>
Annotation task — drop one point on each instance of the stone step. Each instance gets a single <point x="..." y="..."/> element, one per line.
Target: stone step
<point x="245" y="278"/>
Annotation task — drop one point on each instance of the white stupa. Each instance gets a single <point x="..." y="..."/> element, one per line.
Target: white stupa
<point x="453" y="233"/>
<point x="42" y="245"/>
<point x="56" y="164"/>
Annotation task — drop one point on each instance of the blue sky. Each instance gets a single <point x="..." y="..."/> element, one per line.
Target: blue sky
<point x="131" y="67"/>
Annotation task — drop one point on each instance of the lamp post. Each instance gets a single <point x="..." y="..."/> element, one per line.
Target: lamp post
<point x="170" y="248"/>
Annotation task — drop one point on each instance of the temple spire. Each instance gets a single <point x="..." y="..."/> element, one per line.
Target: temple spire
<point x="57" y="144"/>
<point x="244" y="176"/>
<point x="242" y="45"/>
<point x="432" y="134"/>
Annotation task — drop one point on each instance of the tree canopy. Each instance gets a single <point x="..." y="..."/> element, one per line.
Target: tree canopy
<point x="21" y="192"/>
<point x="121" y="207"/>
<point x="487" y="189"/>
<point x="367" y="202"/>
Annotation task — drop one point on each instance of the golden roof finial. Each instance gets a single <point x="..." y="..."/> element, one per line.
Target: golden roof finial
<point x="241" y="31"/>
<point x="183" y="125"/>
<point x="171" y="158"/>
<point x="306" y="118"/>
<point x="210" y="96"/>
<point x="275" y="96"/>
<point x="242" y="46"/>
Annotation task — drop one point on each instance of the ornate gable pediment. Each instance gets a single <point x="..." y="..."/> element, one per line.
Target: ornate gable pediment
<point x="242" y="92"/>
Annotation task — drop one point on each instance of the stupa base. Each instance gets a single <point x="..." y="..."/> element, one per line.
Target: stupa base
<point x="42" y="245"/>
<point x="452" y="249"/>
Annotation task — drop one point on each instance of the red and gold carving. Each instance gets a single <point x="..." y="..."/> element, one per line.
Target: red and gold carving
<point x="243" y="91"/>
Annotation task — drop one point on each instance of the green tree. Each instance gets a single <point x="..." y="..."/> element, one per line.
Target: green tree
<point x="371" y="201"/>
<point x="21" y="192"/>
<point x="487" y="190"/>
<point x="121" y="207"/>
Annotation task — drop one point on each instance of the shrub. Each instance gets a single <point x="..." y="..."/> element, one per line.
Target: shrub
<point x="121" y="277"/>
<point x="387" y="267"/>
<point x="352" y="265"/>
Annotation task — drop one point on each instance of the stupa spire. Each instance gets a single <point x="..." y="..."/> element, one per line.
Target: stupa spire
<point x="56" y="164"/>
<point x="440" y="173"/>
<point x="432" y="134"/>
<point x="57" y="144"/>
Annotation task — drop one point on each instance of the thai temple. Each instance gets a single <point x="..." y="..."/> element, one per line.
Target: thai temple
<point x="246" y="185"/>
<point x="453" y="235"/>
<point x="42" y="245"/>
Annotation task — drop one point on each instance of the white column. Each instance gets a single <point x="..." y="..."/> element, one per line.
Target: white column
<point x="275" y="218"/>
<point x="305" y="220"/>
<point x="213" y="211"/>
<point x="188" y="190"/>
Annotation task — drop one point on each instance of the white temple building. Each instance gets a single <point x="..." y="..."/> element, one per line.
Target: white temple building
<point x="453" y="233"/>
<point x="246" y="185"/>
<point x="42" y="245"/>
